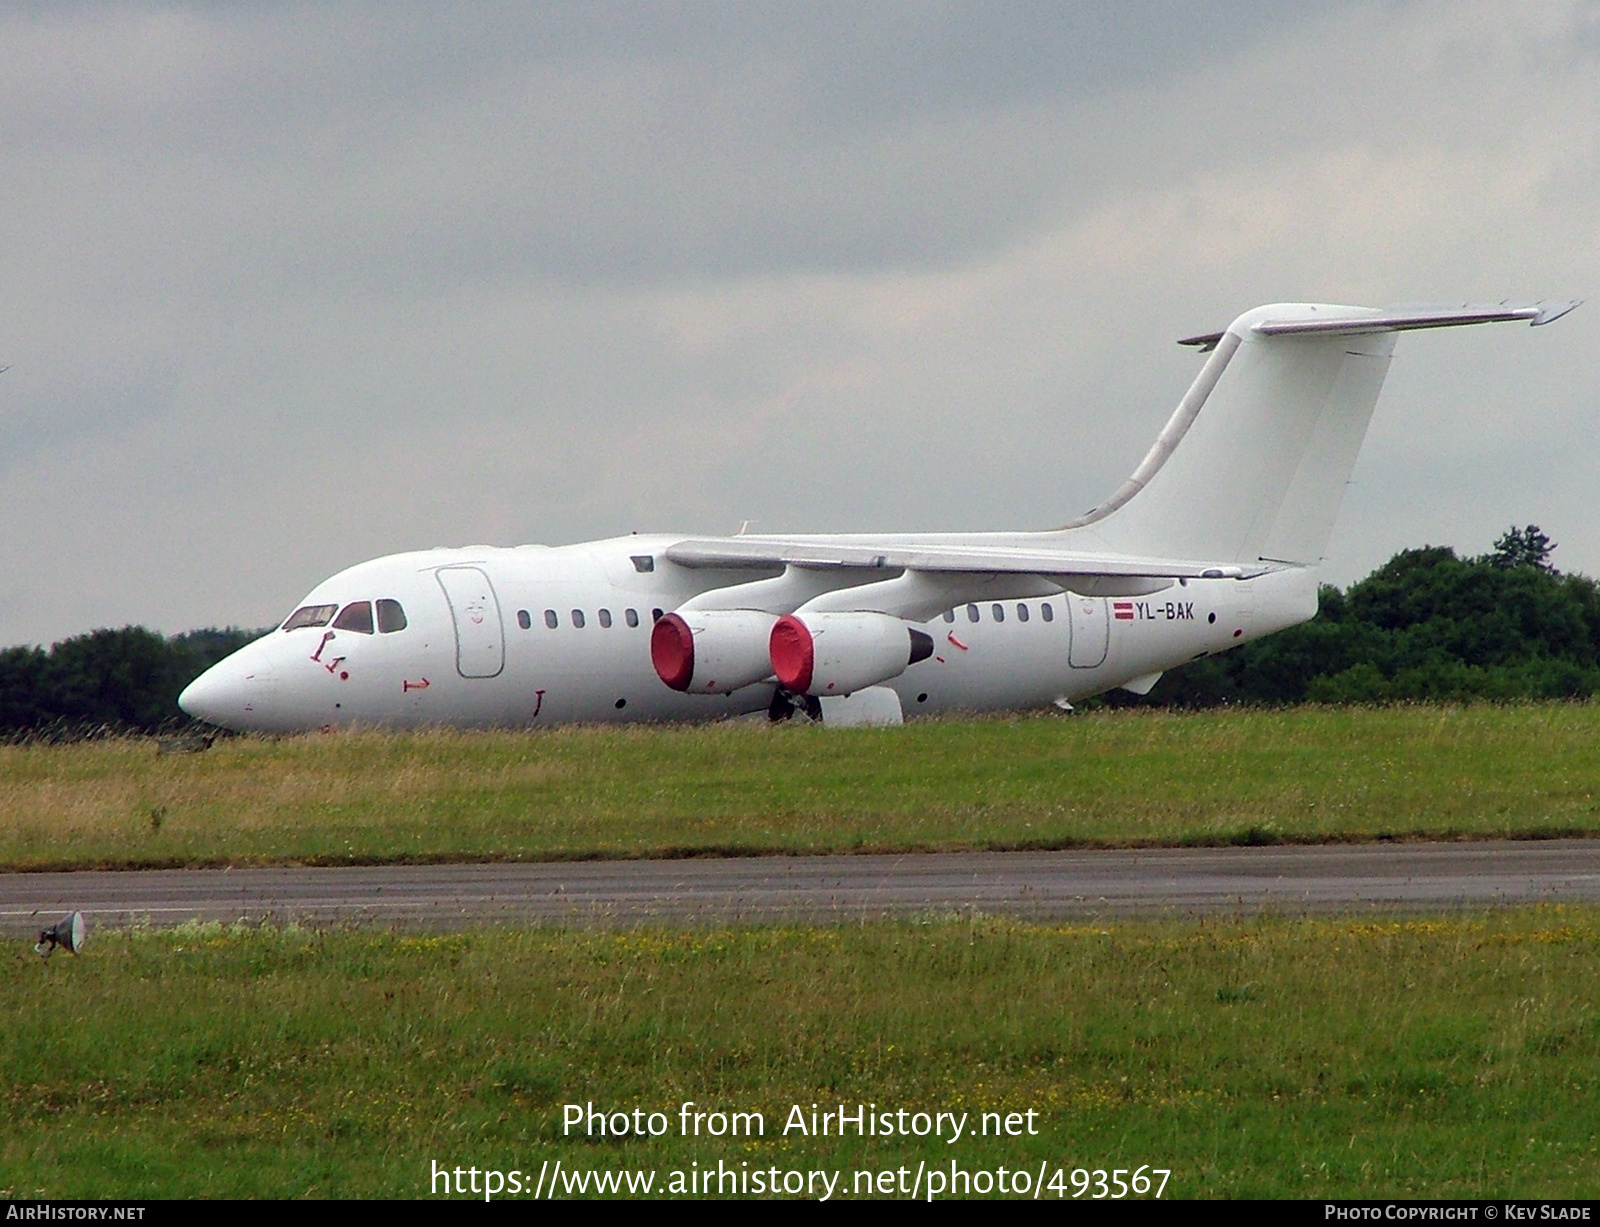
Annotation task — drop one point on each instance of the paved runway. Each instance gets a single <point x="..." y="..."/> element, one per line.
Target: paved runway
<point x="1169" y="881"/>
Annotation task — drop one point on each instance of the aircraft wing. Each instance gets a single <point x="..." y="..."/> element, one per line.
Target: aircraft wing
<point x="940" y="557"/>
<point x="917" y="578"/>
<point x="935" y="575"/>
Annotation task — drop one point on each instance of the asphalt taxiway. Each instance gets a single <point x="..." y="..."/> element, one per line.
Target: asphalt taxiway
<point x="1166" y="881"/>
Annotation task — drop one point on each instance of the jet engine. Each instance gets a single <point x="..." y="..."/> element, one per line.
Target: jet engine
<point x="711" y="651"/>
<point x="838" y="653"/>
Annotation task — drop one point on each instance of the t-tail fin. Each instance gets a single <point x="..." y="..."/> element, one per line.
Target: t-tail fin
<point x="1253" y="464"/>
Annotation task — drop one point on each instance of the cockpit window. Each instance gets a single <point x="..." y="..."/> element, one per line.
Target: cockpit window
<point x="356" y="616"/>
<point x="392" y="618"/>
<point x="309" y="615"/>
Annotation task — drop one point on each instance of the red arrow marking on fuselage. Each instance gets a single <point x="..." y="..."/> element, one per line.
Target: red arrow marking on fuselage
<point x="952" y="638"/>
<point x="317" y="655"/>
<point x="422" y="685"/>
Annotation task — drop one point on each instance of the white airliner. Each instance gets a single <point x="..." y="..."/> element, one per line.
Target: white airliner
<point x="1213" y="541"/>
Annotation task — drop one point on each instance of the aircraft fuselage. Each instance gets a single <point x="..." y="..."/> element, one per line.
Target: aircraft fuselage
<point x="537" y="635"/>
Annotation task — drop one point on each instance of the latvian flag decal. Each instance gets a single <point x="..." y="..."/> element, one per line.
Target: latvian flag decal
<point x="1123" y="610"/>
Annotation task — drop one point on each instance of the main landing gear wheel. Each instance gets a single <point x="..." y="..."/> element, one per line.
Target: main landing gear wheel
<point x="784" y="706"/>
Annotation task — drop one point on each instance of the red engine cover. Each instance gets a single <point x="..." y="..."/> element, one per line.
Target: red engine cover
<point x="793" y="654"/>
<point x="672" y="651"/>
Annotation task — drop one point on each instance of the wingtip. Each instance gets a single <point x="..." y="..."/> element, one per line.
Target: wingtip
<point x="1549" y="313"/>
<point x="1205" y="342"/>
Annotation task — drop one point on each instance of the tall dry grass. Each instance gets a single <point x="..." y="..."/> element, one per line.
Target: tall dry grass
<point x="1109" y="778"/>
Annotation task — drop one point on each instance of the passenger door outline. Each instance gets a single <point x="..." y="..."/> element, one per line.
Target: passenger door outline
<point x="1090" y="631"/>
<point x="475" y="614"/>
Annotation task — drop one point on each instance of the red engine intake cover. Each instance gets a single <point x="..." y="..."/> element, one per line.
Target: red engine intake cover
<point x="672" y="651"/>
<point x="793" y="654"/>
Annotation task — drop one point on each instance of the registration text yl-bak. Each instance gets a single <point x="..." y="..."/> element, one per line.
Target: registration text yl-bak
<point x="1163" y="611"/>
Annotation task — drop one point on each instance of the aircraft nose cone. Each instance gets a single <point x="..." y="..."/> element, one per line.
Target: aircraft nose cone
<point x="212" y="697"/>
<point x="228" y="694"/>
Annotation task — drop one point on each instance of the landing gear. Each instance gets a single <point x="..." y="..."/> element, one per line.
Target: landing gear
<point x="781" y="708"/>
<point x="784" y="706"/>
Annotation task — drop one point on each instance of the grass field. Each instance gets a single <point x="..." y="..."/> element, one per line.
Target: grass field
<point x="1100" y="779"/>
<point x="1367" y="1056"/>
<point x="1261" y="1057"/>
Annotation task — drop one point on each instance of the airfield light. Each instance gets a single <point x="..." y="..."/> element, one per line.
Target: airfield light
<point x="68" y="933"/>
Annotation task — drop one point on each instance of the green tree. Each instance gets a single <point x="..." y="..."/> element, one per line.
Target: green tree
<point x="1523" y="547"/>
<point x="1426" y="625"/>
<point x="125" y="680"/>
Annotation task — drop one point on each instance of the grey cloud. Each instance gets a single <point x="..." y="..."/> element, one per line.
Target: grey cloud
<point x="287" y="287"/>
<point x="382" y="149"/>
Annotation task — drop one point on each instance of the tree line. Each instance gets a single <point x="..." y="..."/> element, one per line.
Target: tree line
<point x="108" y="681"/>
<point x="1427" y="625"/>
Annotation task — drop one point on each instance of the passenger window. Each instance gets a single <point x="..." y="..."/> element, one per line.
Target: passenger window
<point x="550" y="619"/>
<point x="309" y="615"/>
<point x="949" y="615"/>
<point x="999" y="613"/>
<point x="391" y="617"/>
<point x="605" y="618"/>
<point x="655" y="615"/>
<point x="577" y="618"/>
<point x="643" y="563"/>
<point x="523" y="620"/>
<point x="972" y="613"/>
<point x="1047" y="613"/>
<point x="1022" y="613"/>
<point x="356" y="616"/>
<point x="631" y="617"/>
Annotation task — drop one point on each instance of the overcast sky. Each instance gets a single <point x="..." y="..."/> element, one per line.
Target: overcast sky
<point x="287" y="287"/>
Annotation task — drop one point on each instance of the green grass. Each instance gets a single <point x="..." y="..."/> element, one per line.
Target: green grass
<point x="1372" y="1057"/>
<point x="1103" y="779"/>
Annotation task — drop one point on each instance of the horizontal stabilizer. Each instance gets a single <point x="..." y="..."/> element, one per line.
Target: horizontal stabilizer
<point x="1343" y="321"/>
<point x="1404" y="319"/>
